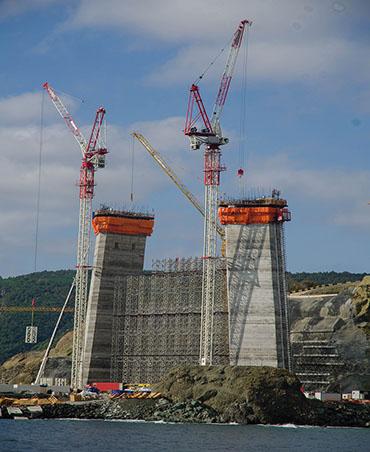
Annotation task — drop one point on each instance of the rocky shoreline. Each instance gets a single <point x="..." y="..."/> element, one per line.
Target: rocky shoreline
<point x="131" y="409"/>
<point x="217" y="394"/>
<point x="193" y="411"/>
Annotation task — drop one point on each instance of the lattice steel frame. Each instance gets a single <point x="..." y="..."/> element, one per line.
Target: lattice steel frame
<point x="157" y="321"/>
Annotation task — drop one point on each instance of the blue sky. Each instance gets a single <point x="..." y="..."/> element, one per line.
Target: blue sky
<point x="308" y="118"/>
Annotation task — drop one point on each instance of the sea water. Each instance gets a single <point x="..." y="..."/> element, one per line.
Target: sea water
<point x="93" y="435"/>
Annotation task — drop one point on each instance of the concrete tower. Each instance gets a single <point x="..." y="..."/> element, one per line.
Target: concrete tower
<point x="256" y="285"/>
<point x="119" y="251"/>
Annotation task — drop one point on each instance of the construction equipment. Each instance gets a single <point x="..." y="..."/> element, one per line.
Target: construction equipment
<point x="38" y="309"/>
<point x="167" y="169"/>
<point x="210" y="136"/>
<point x="31" y="330"/>
<point x="93" y="157"/>
<point x="40" y="373"/>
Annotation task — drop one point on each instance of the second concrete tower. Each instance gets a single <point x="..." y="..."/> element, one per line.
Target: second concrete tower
<point x="256" y="284"/>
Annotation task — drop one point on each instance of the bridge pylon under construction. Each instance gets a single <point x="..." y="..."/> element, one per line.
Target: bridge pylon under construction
<point x="256" y="282"/>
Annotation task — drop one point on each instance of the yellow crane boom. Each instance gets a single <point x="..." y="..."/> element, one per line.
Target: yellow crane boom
<point x="41" y="309"/>
<point x="170" y="173"/>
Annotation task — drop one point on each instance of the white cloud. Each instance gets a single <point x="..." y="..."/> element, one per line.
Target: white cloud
<point x="25" y="108"/>
<point x="21" y="109"/>
<point x="340" y="196"/>
<point x="291" y="40"/>
<point x="304" y="62"/>
<point x="175" y="21"/>
<point x="284" y="61"/>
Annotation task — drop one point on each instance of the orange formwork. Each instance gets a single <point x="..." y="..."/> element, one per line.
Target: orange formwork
<point x="252" y="215"/>
<point x="123" y="225"/>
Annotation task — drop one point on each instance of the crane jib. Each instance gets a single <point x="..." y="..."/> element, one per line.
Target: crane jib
<point x="224" y="88"/>
<point x="213" y="127"/>
<point x="239" y="33"/>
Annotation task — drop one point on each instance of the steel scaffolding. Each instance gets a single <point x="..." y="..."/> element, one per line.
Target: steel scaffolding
<point x="316" y="359"/>
<point x="156" y="320"/>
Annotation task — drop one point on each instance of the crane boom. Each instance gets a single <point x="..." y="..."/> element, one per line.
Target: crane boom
<point x="39" y="309"/>
<point x="171" y="174"/>
<point x="210" y="133"/>
<point x="64" y="113"/>
<point x="227" y="75"/>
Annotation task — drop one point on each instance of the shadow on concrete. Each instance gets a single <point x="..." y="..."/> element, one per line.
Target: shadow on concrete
<point x="280" y="302"/>
<point x="243" y="279"/>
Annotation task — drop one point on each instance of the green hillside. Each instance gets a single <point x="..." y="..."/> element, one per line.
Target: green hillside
<point x="303" y="280"/>
<point x="50" y="288"/>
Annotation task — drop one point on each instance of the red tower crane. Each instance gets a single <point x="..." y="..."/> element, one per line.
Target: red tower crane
<point x="210" y="135"/>
<point x="93" y="156"/>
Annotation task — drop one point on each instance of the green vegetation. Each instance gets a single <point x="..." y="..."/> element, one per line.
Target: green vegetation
<point x="48" y="288"/>
<point x="330" y="288"/>
<point x="303" y="280"/>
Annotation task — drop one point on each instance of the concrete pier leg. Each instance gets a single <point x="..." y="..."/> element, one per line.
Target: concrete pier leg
<point x="256" y="284"/>
<point x="118" y="252"/>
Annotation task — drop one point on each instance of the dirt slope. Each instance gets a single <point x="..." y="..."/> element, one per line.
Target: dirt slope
<point x="23" y="367"/>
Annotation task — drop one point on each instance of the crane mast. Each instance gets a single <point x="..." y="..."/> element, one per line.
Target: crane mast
<point x="210" y="136"/>
<point x="93" y="157"/>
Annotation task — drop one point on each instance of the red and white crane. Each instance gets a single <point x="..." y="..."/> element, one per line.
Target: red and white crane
<point x="210" y="136"/>
<point x="93" y="156"/>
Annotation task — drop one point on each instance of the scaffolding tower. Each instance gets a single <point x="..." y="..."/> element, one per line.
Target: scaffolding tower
<point x="156" y="320"/>
<point x="316" y="359"/>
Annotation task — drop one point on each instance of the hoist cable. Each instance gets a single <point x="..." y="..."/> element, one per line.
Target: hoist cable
<point x="132" y="168"/>
<point x="212" y="62"/>
<point x="41" y="144"/>
<point x="71" y="96"/>
<point x="242" y="154"/>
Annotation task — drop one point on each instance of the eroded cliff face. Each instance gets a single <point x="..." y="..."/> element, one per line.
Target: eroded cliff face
<point x="361" y="301"/>
<point x="23" y="367"/>
<point x="344" y="320"/>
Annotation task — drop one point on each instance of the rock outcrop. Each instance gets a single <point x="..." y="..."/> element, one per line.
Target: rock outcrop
<point x="250" y="395"/>
<point x="246" y="393"/>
